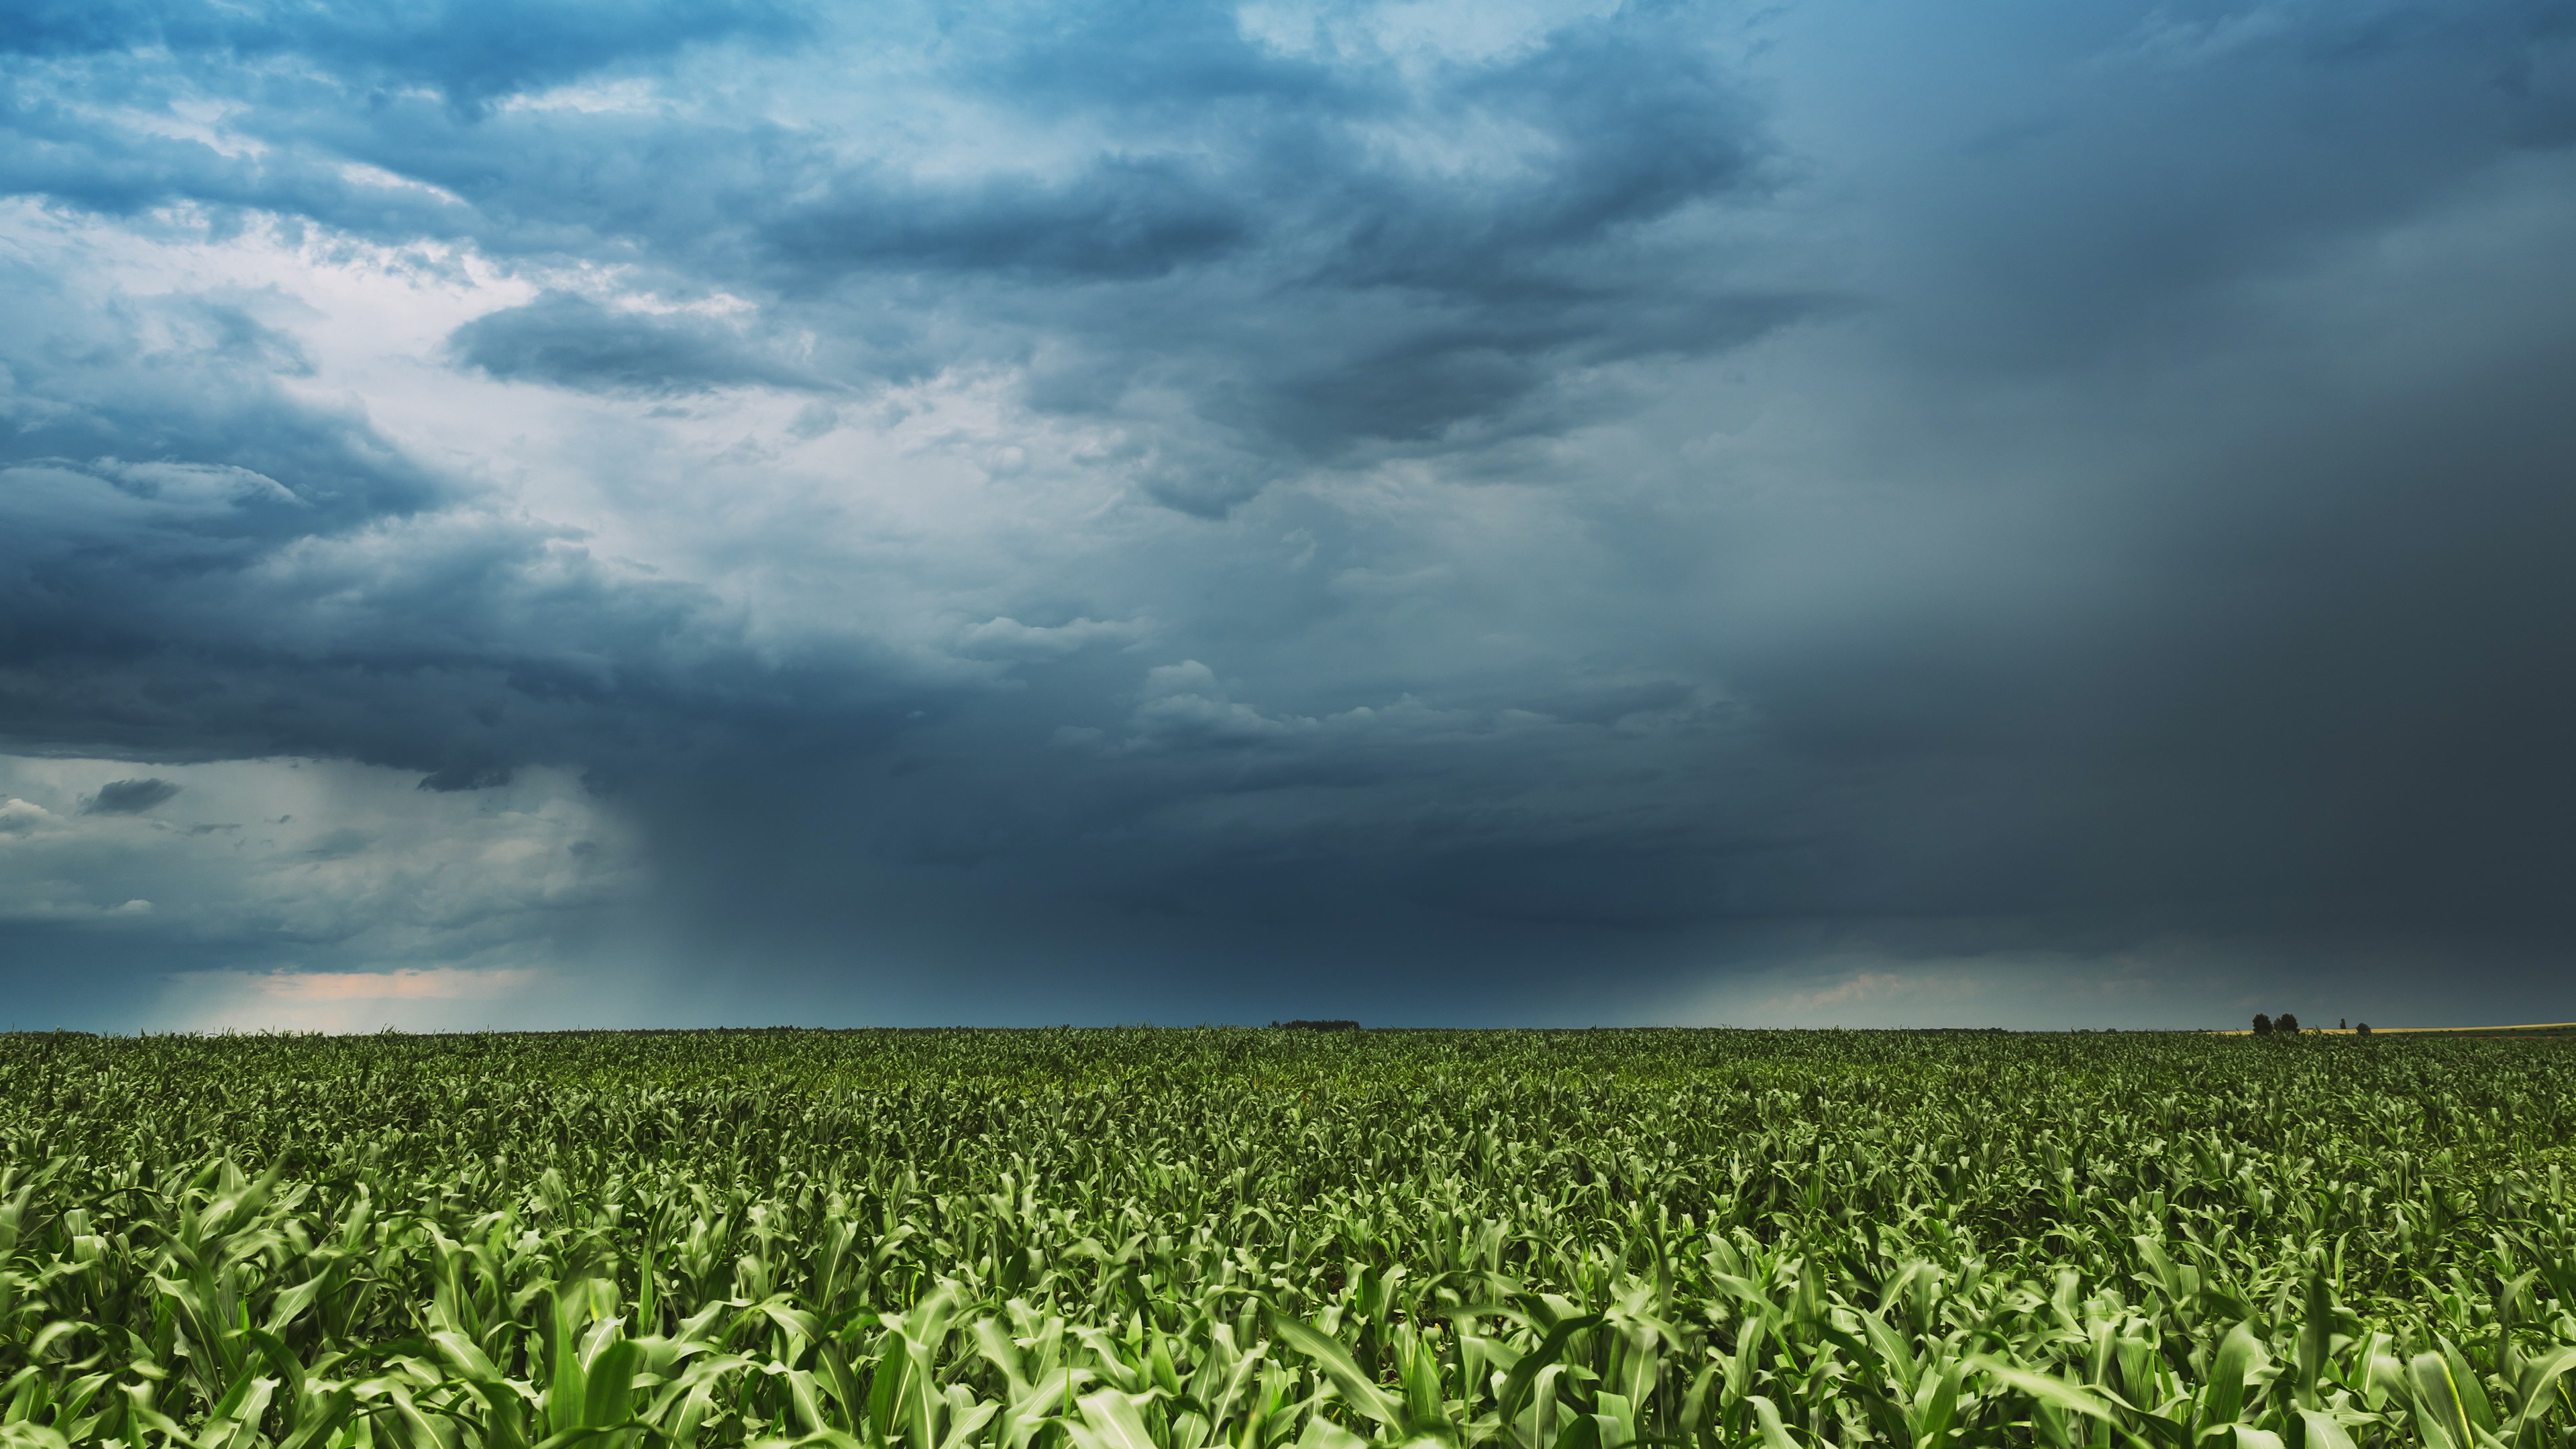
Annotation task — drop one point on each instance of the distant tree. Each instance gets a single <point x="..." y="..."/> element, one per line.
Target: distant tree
<point x="2362" y="1030"/>
<point x="2342" y="1025"/>
<point x="2286" y="1022"/>
<point x="2262" y="1024"/>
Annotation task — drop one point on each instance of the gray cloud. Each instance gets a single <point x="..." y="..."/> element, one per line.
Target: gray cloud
<point x="1312" y="252"/>
<point x="473" y="52"/>
<point x="1121" y="219"/>
<point x="1284" y="513"/>
<point x="572" y="341"/>
<point x="130" y="797"/>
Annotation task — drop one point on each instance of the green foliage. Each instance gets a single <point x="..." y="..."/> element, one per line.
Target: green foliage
<point x="1143" y="1239"/>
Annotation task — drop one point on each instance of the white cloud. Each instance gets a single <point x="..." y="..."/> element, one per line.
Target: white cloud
<point x="19" y="817"/>
<point x="1189" y="677"/>
<point x="1008" y="638"/>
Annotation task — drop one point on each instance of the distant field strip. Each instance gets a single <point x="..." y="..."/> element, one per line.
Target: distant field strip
<point x="2537" y="1028"/>
<point x="2546" y="1028"/>
<point x="1140" y="1239"/>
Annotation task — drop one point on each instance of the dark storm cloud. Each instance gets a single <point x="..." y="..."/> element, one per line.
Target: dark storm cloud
<point x="2048" y="482"/>
<point x="1611" y="123"/>
<point x="1317" y="254"/>
<point x="1121" y="219"/>
<point x="196" y="564"/>
<point x="130" y="797"/>
<point x="457" y="648"/>
<point x="572" y="341"/>
<point x="2225" y="142"/>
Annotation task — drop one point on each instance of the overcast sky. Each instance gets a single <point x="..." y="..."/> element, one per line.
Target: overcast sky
<point x="658" y="512"/>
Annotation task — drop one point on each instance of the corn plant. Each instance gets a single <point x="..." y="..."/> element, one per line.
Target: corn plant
<point x="1245" y="1239"/>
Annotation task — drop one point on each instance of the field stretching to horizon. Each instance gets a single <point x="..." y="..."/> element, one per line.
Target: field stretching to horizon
<point x="1183" y="1239"/>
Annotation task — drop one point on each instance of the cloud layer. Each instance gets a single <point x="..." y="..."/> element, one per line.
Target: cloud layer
<point x="1557" y="511"/>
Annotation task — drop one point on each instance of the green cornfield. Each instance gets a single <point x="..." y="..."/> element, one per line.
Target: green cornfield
<point x="1181" y="1239"/>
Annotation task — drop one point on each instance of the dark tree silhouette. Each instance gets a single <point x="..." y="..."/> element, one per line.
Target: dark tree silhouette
<point x="2286" y="1022"/>
<point x="2262" y="1024"/>
<point x="2362" y="1030"/>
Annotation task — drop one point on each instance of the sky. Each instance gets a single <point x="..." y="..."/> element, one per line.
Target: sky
<point x="744" y="512"/>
